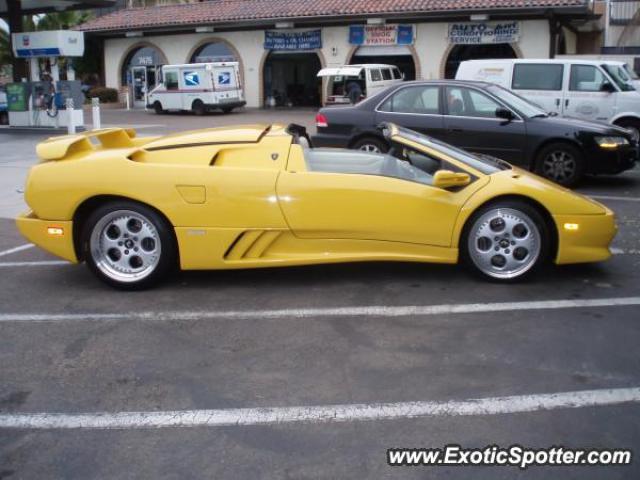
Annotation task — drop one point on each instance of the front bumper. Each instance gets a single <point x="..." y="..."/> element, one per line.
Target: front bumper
<point x="614" y="161"/>
<point x="589" y="242"/>
<point x="36" y="231"/>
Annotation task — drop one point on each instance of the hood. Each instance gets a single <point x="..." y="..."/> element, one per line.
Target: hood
<point x="565" y="123"/>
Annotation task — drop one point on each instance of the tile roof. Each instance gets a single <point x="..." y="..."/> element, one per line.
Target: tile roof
<point x="230" y="11"/>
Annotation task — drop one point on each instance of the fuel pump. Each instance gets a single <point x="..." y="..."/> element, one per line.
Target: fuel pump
<point x="41" y="101"/>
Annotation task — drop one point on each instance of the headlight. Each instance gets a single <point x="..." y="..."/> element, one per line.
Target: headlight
<point x="611" y="142"/>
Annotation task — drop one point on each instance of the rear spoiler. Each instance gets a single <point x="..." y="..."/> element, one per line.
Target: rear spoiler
<point x="57" y="148"/>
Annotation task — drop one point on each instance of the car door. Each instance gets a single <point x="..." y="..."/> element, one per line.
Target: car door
<point x="349" y="197"/>
<point x="585" y="97"/>
<point x="415" y="107"/>
<point x="471" y="123"/>
<point x="540" y="83"/>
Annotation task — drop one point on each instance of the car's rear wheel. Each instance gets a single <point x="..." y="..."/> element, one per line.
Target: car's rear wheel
<point x="198" y="107"/>
<point x="561" y="163"/>
<point x="370" y="144"/>
<point x="505" y="241"/>
<point x="128" y="245"/>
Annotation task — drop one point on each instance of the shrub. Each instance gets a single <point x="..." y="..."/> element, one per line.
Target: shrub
<point x="105" y="94"/>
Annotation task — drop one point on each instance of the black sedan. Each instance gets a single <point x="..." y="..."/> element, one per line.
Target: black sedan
<point x="486" y="119"/>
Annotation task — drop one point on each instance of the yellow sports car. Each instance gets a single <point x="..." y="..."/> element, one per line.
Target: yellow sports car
<point x="259" y="196"/>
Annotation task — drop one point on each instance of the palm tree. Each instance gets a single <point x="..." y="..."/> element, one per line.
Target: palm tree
<point x="62" y="20"/>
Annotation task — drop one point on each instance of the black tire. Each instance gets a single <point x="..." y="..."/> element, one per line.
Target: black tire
<point x="561" y="163"/>
<point x="198" y="107"/>
<point x="631" y="124"/>
<point x="97" y="227"/>
<point x="227" y="110"/>
<point x="371" y="144"/>
<point x="503" y="209"/>
<point x="157" y="107"/>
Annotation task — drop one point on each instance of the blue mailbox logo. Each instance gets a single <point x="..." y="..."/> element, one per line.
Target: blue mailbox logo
<point x="191" y="79"/>
<point x="224" y="78"/>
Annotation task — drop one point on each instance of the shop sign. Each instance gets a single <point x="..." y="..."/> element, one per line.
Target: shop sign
<point x="145" y="60"/>
<point x="309" y="40"/>
<point x="381" y="35"/>
<point x="484" y="33"/>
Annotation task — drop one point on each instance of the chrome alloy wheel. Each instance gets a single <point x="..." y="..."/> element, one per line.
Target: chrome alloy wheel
<point x="559" y="165"/>
<point x="125" y="246"/>
<point x="369" y="147"/>
<point x="504" y="243"/>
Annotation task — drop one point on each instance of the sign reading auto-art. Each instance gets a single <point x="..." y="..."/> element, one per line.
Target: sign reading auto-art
<point x="381" y="34"/>
<point x="308" y="40"/>
<point x="484" y="32"/>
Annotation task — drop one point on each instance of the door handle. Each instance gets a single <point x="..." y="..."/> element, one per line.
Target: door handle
<point x="566" y="102"/>
<point x="455" y="130"/>
<point x="557" y="102"/>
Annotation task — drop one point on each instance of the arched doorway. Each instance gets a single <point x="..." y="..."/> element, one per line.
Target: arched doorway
<point x="141" y="71"/>
<point x="214" y="51"/>
<point x="460" y="53"/>
<point x="399" y="55"/>
<point x="290" y="79"/>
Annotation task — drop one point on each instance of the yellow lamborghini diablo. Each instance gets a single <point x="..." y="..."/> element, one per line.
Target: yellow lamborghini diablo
<point x="259" y="196"/>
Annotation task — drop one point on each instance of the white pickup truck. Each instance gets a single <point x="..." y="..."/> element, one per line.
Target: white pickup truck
<point x="198" y="87"/>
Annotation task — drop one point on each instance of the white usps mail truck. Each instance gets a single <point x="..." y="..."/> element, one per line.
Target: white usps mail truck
<point x="198" y="87"/>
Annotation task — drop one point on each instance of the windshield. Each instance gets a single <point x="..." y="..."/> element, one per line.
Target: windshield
<point x="522" y="105"/>
<point x="483" y="164"/>
<point x="620" y="77"/>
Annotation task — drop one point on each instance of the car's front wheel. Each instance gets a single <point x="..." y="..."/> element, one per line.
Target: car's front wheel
<point x="128" y="245"/>
<point x="505" y="241"/>
<point x="561" y="163"/>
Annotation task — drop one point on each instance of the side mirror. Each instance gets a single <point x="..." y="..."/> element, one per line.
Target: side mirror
<point x="607" y="87"/>
<point x="504" y="113"/>
<point x="448" y="179"/>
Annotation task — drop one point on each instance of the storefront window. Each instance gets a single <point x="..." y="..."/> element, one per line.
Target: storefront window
<point x="460" y="53"/>
<point x="213" y="52"/>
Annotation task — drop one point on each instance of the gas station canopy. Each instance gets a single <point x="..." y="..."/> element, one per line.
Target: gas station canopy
<point x="32" y="7"/>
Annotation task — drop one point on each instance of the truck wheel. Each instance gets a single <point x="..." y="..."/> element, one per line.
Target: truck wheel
<point x="128" y="245"/>
<point x="227" y="110"/>
<point x="632" y="125"/>
<point x="198" y="107"/>
<point x="157" y="107"/>
<point x="371" y="144"/>
<point x="561" y="163"/>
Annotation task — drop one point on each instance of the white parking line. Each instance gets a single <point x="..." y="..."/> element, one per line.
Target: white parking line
<point x="322" y="414"/>
<point x="42" y="263"/>
<point x="612" y="198"/>
<point x="17" y="249"/>
<point x="373" y="311"/>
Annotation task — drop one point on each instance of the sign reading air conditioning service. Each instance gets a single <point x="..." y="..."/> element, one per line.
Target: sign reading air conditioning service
<point x="309" y="40"/>
<point x="484" y="32"/>
<point x="381" y="35"/>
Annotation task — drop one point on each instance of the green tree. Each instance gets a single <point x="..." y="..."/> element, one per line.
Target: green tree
<point x="5" y="48"/>
<point x="62" y="20"/>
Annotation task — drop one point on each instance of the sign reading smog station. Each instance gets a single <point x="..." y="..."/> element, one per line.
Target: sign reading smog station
<point x="484" y="33"/>
<point x="372" y="35"/>
<point x="309" y="40"/>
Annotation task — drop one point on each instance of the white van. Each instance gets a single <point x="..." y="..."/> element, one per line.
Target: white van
<point x="372" y="78"/>
<point x="594" y="90"/>
<point x="199" y="87"/>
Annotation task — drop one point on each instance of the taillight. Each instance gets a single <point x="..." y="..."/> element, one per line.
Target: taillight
<point x="321" y="121"/>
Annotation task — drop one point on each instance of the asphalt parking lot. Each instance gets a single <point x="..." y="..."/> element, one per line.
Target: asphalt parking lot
<point x="311" y="372"/>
